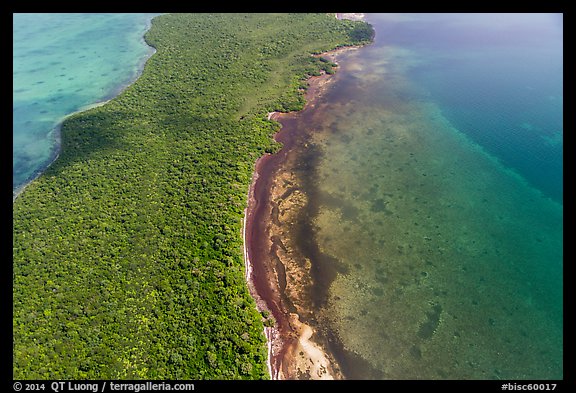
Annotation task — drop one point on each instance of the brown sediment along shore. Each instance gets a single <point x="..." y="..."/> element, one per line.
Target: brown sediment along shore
<point x="278" y="273"/>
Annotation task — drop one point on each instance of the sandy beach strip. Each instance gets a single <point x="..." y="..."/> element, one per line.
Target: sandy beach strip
<point x="292" y="352"/>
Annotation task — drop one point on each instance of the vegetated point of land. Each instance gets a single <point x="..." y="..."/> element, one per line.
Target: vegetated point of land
<point x="127" y="251"/>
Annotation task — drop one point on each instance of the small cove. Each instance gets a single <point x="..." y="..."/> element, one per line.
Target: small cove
<point x="63" y="63"/>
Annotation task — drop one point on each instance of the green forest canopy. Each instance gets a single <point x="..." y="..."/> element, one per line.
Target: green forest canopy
<point x="128" y="260"/>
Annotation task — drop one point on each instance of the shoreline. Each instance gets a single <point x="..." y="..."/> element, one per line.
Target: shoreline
<point x="57" y="129"/>
<point x="292" y="351"/>
<point x="208" y="283"/>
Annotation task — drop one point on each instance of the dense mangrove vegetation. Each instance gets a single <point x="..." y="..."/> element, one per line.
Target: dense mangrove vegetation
<point x="128" y="260"/>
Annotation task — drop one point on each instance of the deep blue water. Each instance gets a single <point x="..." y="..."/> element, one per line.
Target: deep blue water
<point x="498" y="78"/>
<point x="61" y="64"/>
<point x="449" y="248"/>
<point x="437" y="197"/>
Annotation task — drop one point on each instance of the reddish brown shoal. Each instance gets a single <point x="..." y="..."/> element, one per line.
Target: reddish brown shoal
<point x="263" y="283"/>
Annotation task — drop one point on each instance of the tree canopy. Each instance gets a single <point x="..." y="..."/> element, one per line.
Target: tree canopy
<point x="128" y="260"/>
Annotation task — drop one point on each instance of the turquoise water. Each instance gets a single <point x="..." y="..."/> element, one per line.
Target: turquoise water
<point x="435" y="200"/>
<point x="62" y="63"/>
<point x="498" y="79"/>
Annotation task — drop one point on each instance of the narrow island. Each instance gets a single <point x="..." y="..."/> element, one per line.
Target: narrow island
<point x="128" y="254"/>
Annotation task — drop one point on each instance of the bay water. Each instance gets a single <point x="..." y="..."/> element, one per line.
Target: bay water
<point x="437" y="187"/>
<point x="63" y="63"/>
<point x="435" y="192"/>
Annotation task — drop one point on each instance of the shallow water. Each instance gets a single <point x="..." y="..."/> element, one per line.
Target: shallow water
<point x="62" y="63"/>
<point x="438" y="201"/>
